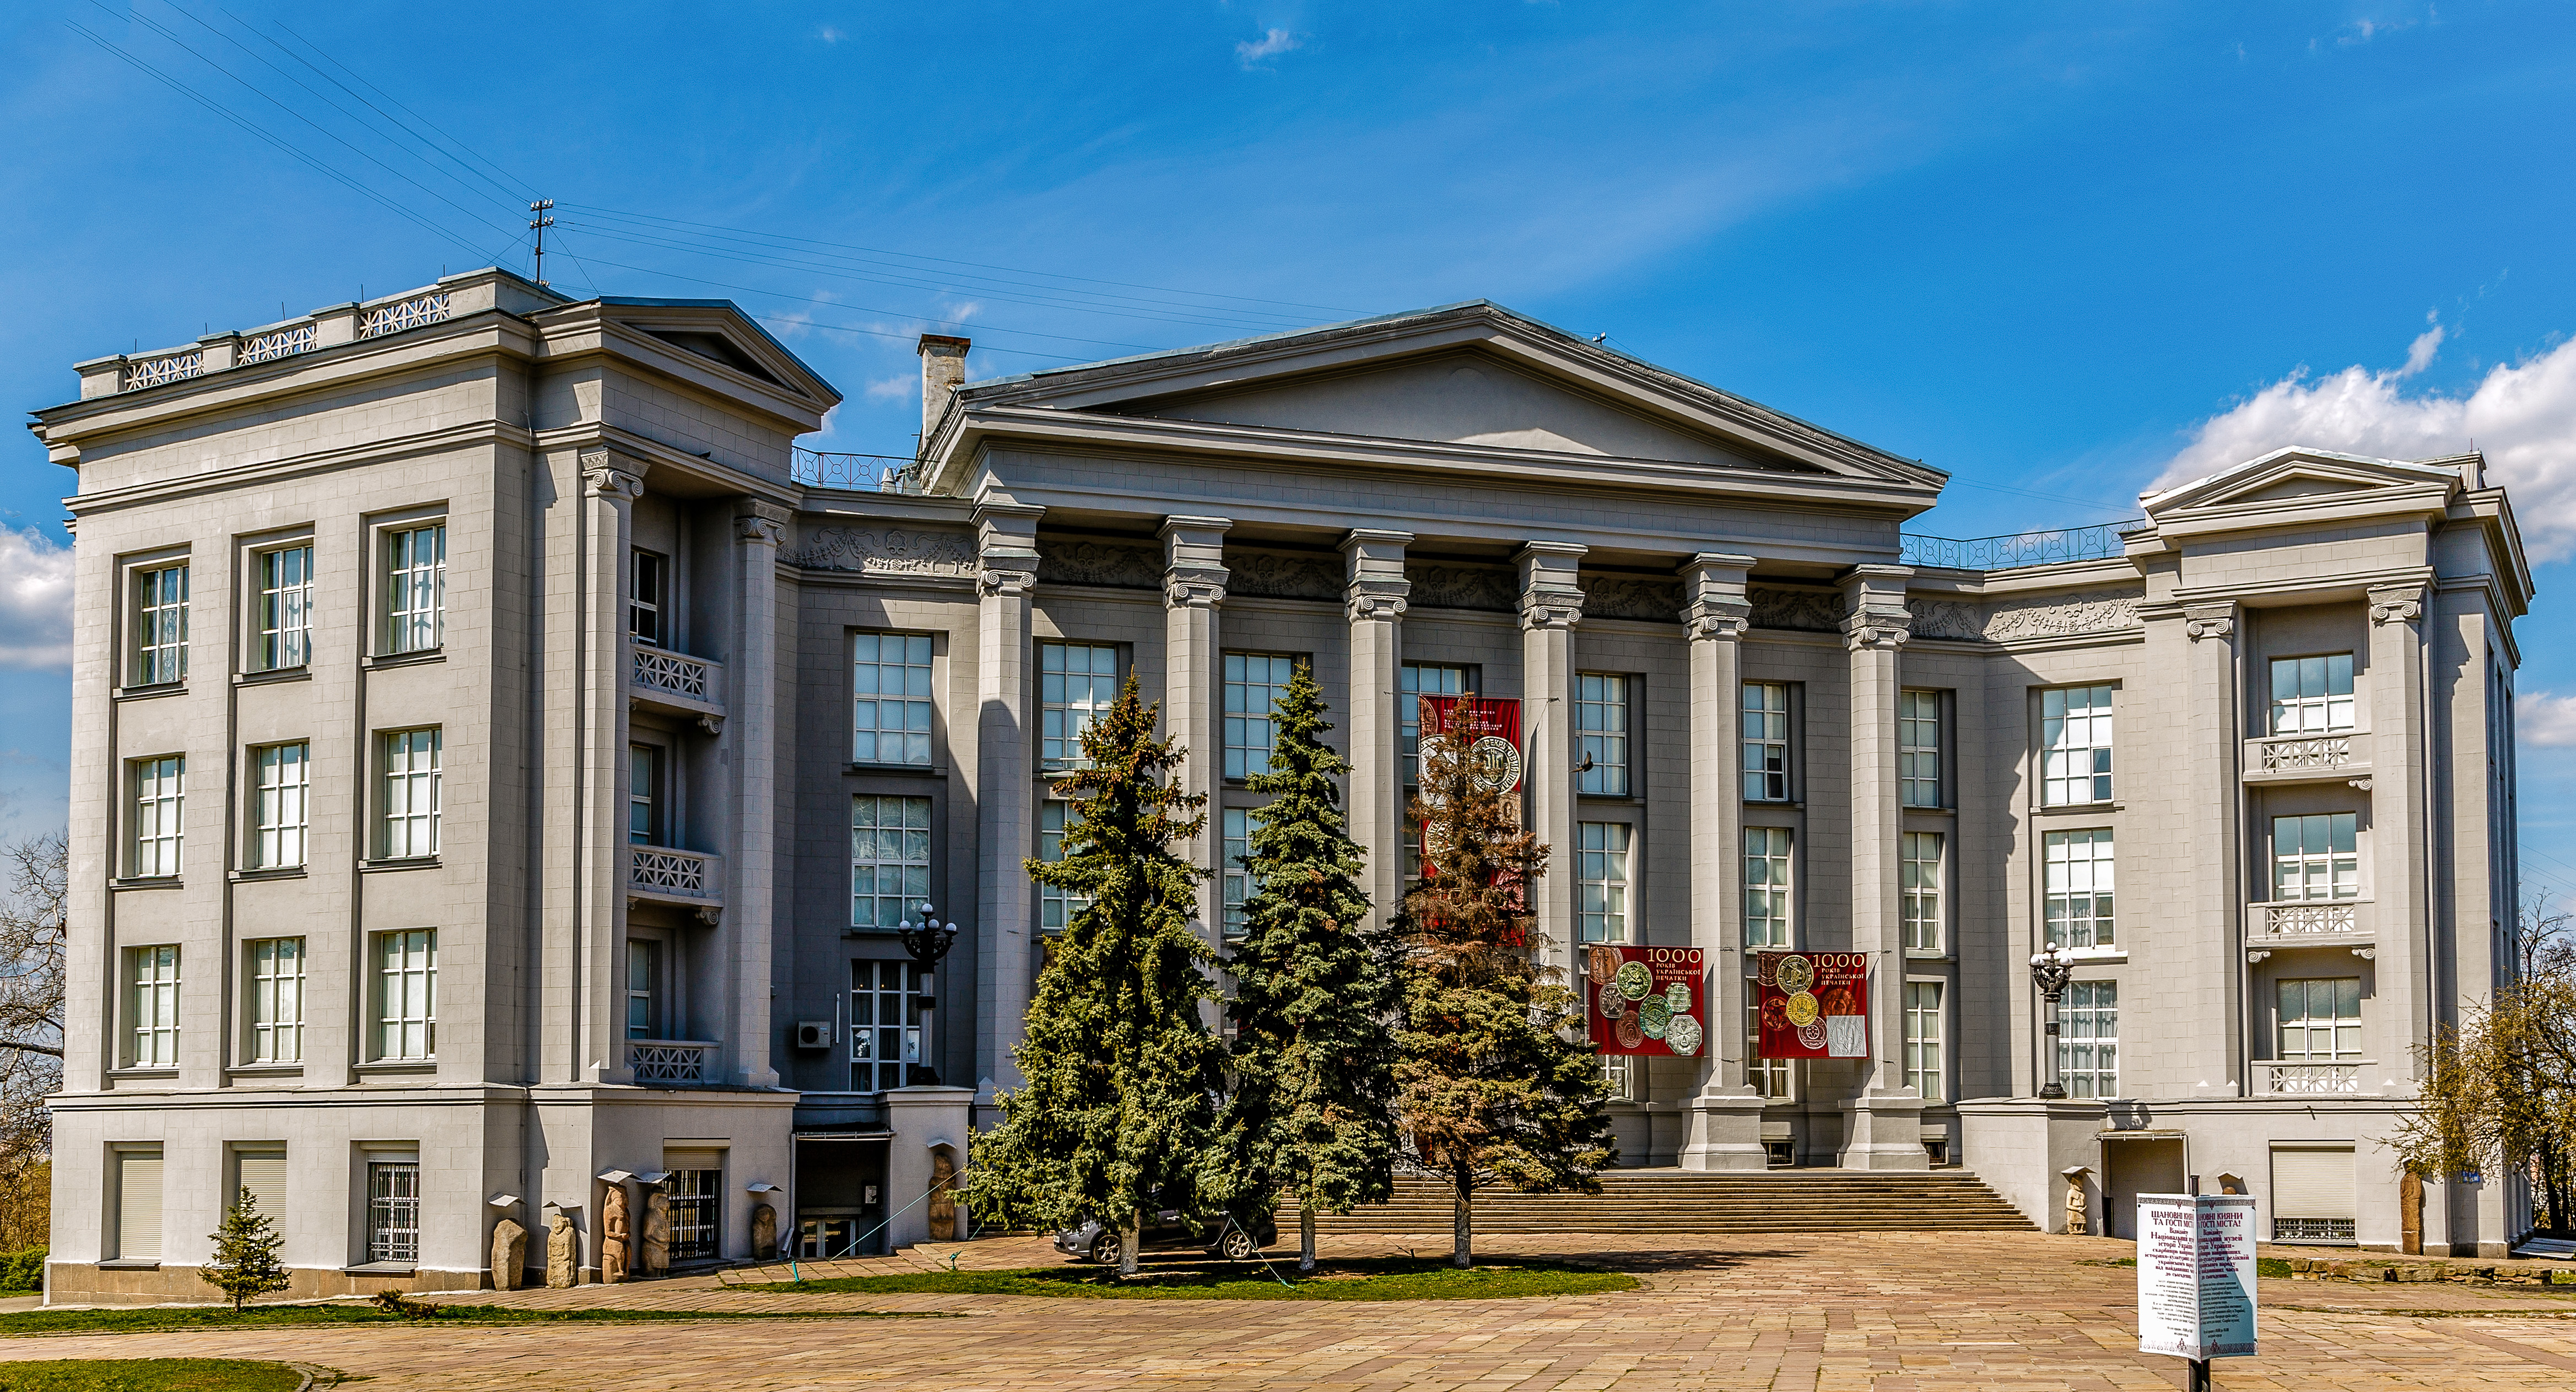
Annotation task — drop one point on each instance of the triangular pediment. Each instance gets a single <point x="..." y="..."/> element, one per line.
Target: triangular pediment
<point x="714" y="331"/>
<point x="2300" y="478"/>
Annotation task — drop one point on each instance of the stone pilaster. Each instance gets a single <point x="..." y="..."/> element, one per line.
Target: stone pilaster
<point x="1723" y="1120"/>
<point x="1374" y="591"/>
<point x="1883" y="1125"/>
<point x="2399" y="835"/>
<point x="1194" y="579"/>
<point x="1005" y="795"/>
<point x="752" y="710"/>
<point x="610" y="484"/>
<point x="2216" y="803"/>
<point x="1551" y="605"/>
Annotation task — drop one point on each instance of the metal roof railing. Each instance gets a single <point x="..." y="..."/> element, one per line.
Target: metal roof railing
<point x="865" y="473"/>
<point x="2100" y="542"/>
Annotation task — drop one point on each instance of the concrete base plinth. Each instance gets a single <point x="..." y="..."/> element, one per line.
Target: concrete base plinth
<point x="1884" y="1133"/>
<point x="1722" y="1132"/>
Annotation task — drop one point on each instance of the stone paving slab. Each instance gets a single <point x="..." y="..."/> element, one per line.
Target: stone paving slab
<point x="1841" y="1312"/>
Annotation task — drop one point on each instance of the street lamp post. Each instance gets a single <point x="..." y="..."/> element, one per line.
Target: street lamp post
<point x="929" y="940"/>
<point x="2049" y="970"/>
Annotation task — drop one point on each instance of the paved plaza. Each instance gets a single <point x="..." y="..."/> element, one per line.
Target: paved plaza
<point x="1899" y="1312"/>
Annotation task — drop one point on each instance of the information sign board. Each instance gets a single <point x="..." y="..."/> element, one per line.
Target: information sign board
<point x="2196" y="1275"/>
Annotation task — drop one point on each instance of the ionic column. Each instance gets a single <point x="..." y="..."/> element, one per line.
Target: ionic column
<point x="1551" y="605"/>
<point x="2399" y="834"/>
<point x="1723" y="1119"/>
<point x="752" y="711"/>
<point x="610" y="484"/>
<point x="2215" y="1038"/>
<point x="1006" y="570"/>
<point x="1374" y="591"/>
<point x="1194" y="579"/>
<point x="1885" y="1123"/>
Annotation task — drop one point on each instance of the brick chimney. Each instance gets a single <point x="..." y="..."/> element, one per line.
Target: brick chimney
<point x="943" y="367"/>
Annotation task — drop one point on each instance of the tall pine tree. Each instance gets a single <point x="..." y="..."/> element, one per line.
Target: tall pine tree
<point x="1118" y="1110"/>
<point x="1494" y="1081"/>
<point x="1312" y="1108"/>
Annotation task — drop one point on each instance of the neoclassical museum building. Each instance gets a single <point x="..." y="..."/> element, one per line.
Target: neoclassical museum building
<point x="503" y="763"/>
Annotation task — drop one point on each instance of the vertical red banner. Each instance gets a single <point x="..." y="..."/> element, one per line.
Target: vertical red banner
<point x="1812" y="1004"/>
<point x="1646" y="1000"/>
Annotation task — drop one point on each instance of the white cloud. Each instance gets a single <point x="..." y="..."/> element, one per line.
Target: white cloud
<point x="2545" y="720"/>
<point x="1270" y="45"/>
<point x="830" y="35"/>
<point x="2522" y="416"/>
<point x="35" y="600"/>
<point x="891" y="388"/>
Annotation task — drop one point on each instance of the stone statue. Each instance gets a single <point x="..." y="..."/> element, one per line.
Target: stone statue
<point x="509" y="1255"/>
<point x="943" y="1197"/>
<point x="563" y="1263"/>
<point x="764" y="1233"/>
<point x="2410" y="1214"/>
<point x="2076" y="1224"/>
<point x="617" y="1245"/>
<point x="657" y="1232"/>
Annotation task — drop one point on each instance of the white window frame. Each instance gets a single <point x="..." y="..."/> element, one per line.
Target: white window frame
<point x="2075" y="739"/>
<point x="1413" y="681"/>
<point x="889" y="861"/>
<point x="157" y="848"/>
<point x="285" y="638"/>
<point x="1926" y="1038"/>
<point x="2316" y="857"/>
<point x="160" y="638"/>
<point x="280" y="804"/>
<point x="2300" y="1029"/>
<point x="1056" y="905"/>
<point x="914" y="996"/>
<point x="2313" y="695"/>
<point x="406" y="988"/>
<point x="393" y="1211"/>
<point x="1251" y="684"/>
<point x="645" y="808"/>
<point x="1601" y="729"/>
<point x="644" y="989"/>
<point x="1919" y="876"/>
<point x="1625" y="1076"/>
<point x="275" y="977"/>
<point x="2078" y="900"/>
<point x="648" y="597"/>
<point x="411" y="789"/>
<point x="1770" y="869"/>
<point x="1077" y="683"/>
<point x="906" y="740"/>
<point x="2088" y="1050"/>
<point x="415" y="587"/>
<point x="1918" y="748"/>
<point x="1237" y="887"/>
<point x="1765" y="734"/>
<point x="1601" y="881"/>
<point x="152" y="1006"/>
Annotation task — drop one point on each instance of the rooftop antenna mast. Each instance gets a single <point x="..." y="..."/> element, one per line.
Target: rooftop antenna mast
<point x="544" y="208"/>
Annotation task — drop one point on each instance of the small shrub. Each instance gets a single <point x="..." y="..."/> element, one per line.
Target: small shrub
<point x="22" y="1271"/>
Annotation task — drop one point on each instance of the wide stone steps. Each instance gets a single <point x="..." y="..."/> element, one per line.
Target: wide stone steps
<point x="1676" y="1201"/>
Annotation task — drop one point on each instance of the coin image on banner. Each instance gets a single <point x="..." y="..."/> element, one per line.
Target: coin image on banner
<point x="1812" y="1036"/>
<point x="1654" y="1016"/>
<point x="1601" y="964"/>
<point x="1802" y="1010"/>
<point x="1495" y="763"/>
<point x="1635" y="980"/>
<point x="1764" y="967"/>
<point x="1677" y="997"/>
<point x="1682" y="1036"/>
<point x="1796" y="973"/>
<point x="1631" y="1034"/>
<point x="1613" y="1004"/>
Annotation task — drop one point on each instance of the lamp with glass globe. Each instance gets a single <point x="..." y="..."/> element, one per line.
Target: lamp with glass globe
<point x="2050" y="969"/>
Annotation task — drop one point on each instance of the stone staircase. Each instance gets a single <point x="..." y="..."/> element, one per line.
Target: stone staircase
<point x="1683" y="1201"/>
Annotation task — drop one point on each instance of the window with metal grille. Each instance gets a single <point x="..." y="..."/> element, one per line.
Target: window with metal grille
<point x="2321" y="1020"/>
<point x="1253" y="683"/>
<point x="1238" y="876"/>
<point x="411" y="793"/>
<point x="1919" y="890"/>
<point x="415" y="588"/>
<point x="2075" y="745"/>
<point x="1415" y="680"/>
<point x="644" y="794"/>
<point x="890" y="701"/>
<point x="1601" y="882"/>
<point x="277" y="1000"/>
<point x="2076" y="885"/>
<point x="1056" y="905"/>
<point x="1923" y="1033"/>
<point x="2316" y="857"/>
<point x="1767" y="904"/>
<point x="285" y="607"/>
<point x="159" y="808"/>
<point x="2312" y="695"/>
<point x="889" y="859"/>
<point x="393" y="1211"/>
<point x="407" y="994"/>
<point x="643" y="974"/>
<point x="891" y="1005"/>
<point x="1766" y="742"/>
<point x="695" y="1206"/>
<point x="646" y="602"/>
<point x="1076" y="684"/>
<point x="1918" y="748"/>
<point x="2088" y="1050"/>
<point x="152" y="1005"/>
<point x="161" y="625"/>
<point x="281" y="774"/>
<point x="1601" y="734"/>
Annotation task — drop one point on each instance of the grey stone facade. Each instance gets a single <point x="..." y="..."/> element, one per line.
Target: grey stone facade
<point x="649" y="956"/>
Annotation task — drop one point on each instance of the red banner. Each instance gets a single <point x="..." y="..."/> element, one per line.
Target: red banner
<point x="1493" y="732"/>
<point x="1812" y="1004"/>
<point x="1646" y="1000"/>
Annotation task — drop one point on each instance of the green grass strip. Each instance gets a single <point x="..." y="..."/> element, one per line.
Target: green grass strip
<point x="1382" y="1279"/>
<point x="146" y="1320"/>
<point x="148" y="1375"/>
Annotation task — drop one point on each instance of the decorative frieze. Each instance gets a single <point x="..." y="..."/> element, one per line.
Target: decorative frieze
<point x="2061" y="616"/>
<point x="1451" y="585"/>
<point x="1115" y="565"/>
<point x="1283" y="575"/>
<point x="2017" y="619"/>
<point x="1631" y="597"/>
<point x="886" y="551"/>
<point x="1803" y="611"/>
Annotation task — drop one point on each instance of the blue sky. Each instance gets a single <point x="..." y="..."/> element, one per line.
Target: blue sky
<point x="2058" y="250"/>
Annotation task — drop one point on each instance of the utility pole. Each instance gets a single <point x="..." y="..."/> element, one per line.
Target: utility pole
<point x="544" y="208"/>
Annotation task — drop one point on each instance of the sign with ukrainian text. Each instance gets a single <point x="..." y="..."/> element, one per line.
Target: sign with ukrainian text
<point x="2196" y="1275"/>
<point x="1811" y="1005"/>
<point x="1646" y="1000"/>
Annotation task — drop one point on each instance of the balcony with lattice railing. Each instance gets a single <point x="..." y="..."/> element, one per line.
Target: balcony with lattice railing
<point x="681" y="1061"/>
<point x="2294" y="922"/>
<point x="2308" y="758"/>
<point x="669" y="875"/>
<point x="2297" y="1078"/>
<point x="677" y="683"/>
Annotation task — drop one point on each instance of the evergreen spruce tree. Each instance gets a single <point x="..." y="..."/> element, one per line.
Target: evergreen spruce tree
<point x="1311" y="1115"/>
<point x="1123" y="1078"/>
<point x="246" y="1264"/>
<point x="1493" y="1079"/>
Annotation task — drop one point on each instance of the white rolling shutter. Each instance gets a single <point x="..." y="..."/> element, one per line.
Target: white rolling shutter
<point x="138" y="1205"/>
<point x="2312" y="1194"/>
<point x="263" y="1173"/>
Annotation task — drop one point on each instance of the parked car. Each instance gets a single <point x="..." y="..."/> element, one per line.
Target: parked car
<point x="1217" y="1234"/>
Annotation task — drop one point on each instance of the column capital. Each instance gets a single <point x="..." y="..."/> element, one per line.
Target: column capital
<point x="2209" y="620"/>
<point x="1551" y="593"/>
<point x="612" y="476"/>
<point x="2396" y="603"/>
<point x="761" y="522"/>
<point x="1006" y="549"/>
<point x="1715" y="605"/>
<point x="1194" y="573"/>
<point x="1876" y="617"/>
<point x="1374" y="589"/>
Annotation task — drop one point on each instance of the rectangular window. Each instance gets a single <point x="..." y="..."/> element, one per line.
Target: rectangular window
<point x="1238" y="877"/>
<point x="2321" y="1020"/>
<point x="890" y="1018"/>
<point x="407" y="994"/>
<point x="644" y="795"/>
<point x="1919" y="890"/>
<point x="411" y="794"/>
<point x="262" y="1171"/>
<point x="280" y="776"/>
<point x="647" y="604"/>
<point x="1056" y="906"/>
<point x="696" y="1200"/>
<point x="416" y="588"/>
<point x="152" y="1006"/>
<point x="2313" y="1197"/>
<point x="161" y="625"/>
<point x="1923" y="1069"/>
<point x="2316" y="857"/>
<point x="1413" y="681"/>
<point x="1769" y="1076"/>
<point x="1254" y="682"/>
<point x="2076" y="884"/>
<point x="1601" y="734"/>
<point x="159" y="802"/>
<point x="2075" y="745"/>
<point x="1621" y="1072"/>
<point x="1766" y="742"/>
<point x="393" y="1211"/>
<point x="1601" y="882"/>
<point x="277" y="1000"/>
<point x="890" y="703"/>
<point x="2088" y="1052"/>
<point x="1918" y="748"/>
<point x="1076" y="684"/>
<point x="138" y="1206"/>
<point x="643" y="971"/>
<point x="2312" y="695"/>
<point x="285" y="608"/>
<point x="1767" y="888"/>
<point x="889" y="859"/>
